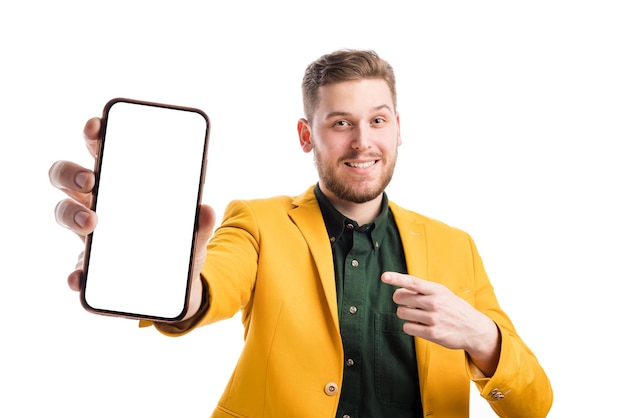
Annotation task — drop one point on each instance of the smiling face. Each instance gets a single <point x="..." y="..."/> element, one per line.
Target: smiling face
<point x="354" y="135"/>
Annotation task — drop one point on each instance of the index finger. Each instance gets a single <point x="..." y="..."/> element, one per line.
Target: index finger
<point x="406" y="281"/>
<point x="91" y="133"/>
<point x="71" y="177"/>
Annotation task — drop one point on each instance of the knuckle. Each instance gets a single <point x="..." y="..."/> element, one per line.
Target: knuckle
<point x="60" y="211"/>
<point x="54" y="172"/>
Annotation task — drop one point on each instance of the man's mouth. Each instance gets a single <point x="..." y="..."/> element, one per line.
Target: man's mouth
<point x="361" y="165"/>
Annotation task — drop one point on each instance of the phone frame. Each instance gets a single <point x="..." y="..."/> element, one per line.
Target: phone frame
<point x="94" y="201"/>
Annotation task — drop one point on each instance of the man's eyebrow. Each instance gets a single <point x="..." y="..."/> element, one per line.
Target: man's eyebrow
<point x="337" y="114"/>
<point x="383" y="106"/>
<point x="344" y="114"/>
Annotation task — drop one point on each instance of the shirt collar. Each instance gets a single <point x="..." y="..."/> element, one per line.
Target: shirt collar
<point x="337" y="223"/>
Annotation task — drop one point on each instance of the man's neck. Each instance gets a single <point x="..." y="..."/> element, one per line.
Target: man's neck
<point x="362" y="213"/>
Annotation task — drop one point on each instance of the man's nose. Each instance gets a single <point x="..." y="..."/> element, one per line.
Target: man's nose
<point x="361" y="139"/>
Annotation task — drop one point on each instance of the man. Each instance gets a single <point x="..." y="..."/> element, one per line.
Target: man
<point x="352" y="306"/>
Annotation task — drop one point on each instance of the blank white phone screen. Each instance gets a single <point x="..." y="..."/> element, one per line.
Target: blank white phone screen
<point x="150" y="183"/>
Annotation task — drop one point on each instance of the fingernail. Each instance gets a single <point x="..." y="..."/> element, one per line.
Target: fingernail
<point x="81" y="218"/>
<point x="81" y="179"/>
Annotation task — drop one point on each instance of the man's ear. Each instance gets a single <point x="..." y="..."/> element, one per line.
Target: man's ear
<point x="305" y="135"/>
<point x="398" y="122"/>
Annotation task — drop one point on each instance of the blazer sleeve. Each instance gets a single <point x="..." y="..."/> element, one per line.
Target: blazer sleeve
<point x="520" y="386"/>
<point x="229" y="272"/>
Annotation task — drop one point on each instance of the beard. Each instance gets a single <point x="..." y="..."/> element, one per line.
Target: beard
<point x="354" y="192"/>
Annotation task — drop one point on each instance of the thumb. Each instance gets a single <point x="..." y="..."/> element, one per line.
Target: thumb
<point x="206" y="222"/>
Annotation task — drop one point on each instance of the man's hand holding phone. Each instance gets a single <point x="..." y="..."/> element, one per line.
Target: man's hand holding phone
<point x="78" y="213"/>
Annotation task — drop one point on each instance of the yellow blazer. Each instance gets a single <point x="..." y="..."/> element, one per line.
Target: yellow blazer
<point x="271" y="260"/>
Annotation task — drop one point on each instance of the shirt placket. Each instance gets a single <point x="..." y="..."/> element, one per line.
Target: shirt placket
<point x="353" y="319"/>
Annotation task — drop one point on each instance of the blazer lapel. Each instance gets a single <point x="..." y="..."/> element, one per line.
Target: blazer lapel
<point x="308" y="218"/>
<point x="413" y="239"/>
<point x="413" y="236"/>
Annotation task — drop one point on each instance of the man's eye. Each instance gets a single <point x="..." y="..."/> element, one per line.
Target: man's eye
<point x="341" y="123"/>
<point x="378" y="121"/>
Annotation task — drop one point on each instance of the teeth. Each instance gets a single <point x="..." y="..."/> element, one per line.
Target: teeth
<point x="361" y="165"/>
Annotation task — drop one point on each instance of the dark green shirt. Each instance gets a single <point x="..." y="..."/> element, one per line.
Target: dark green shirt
<point x="380" y="366"/>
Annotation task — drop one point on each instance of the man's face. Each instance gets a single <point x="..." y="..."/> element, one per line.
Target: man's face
<point x="354" y="136"/>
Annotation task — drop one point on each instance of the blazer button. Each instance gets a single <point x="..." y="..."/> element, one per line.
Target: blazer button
<point x="496" y="394"/>
<point x="331" y="389"/>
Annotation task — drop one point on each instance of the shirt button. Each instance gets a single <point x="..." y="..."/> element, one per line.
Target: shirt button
<point x="350" y="226"/>
<point x="331" y="389"/>
<point x="349" y="362"/>
<point x="346" y="416"/>
<point x="355" y="263"/>
<point x="353" y="309"/>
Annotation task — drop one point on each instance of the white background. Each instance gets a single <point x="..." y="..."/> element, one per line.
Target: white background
<point x="513" y="128"/>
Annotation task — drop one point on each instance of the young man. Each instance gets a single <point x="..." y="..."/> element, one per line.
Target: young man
<point x="352" y="306"/>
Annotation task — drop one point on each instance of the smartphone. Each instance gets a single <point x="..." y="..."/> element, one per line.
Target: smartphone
<point x="149" y="169"/>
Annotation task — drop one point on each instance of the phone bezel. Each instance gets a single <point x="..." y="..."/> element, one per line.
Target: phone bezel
<point x="94" y="200"/>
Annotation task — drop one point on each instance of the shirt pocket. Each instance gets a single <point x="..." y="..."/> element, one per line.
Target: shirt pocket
<point x="396" y="382"/>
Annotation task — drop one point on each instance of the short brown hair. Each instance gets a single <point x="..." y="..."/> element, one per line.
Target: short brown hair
<point x="344" y="65"/>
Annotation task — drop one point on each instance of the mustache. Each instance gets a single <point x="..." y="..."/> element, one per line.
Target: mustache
<point x="359" y="155"/>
